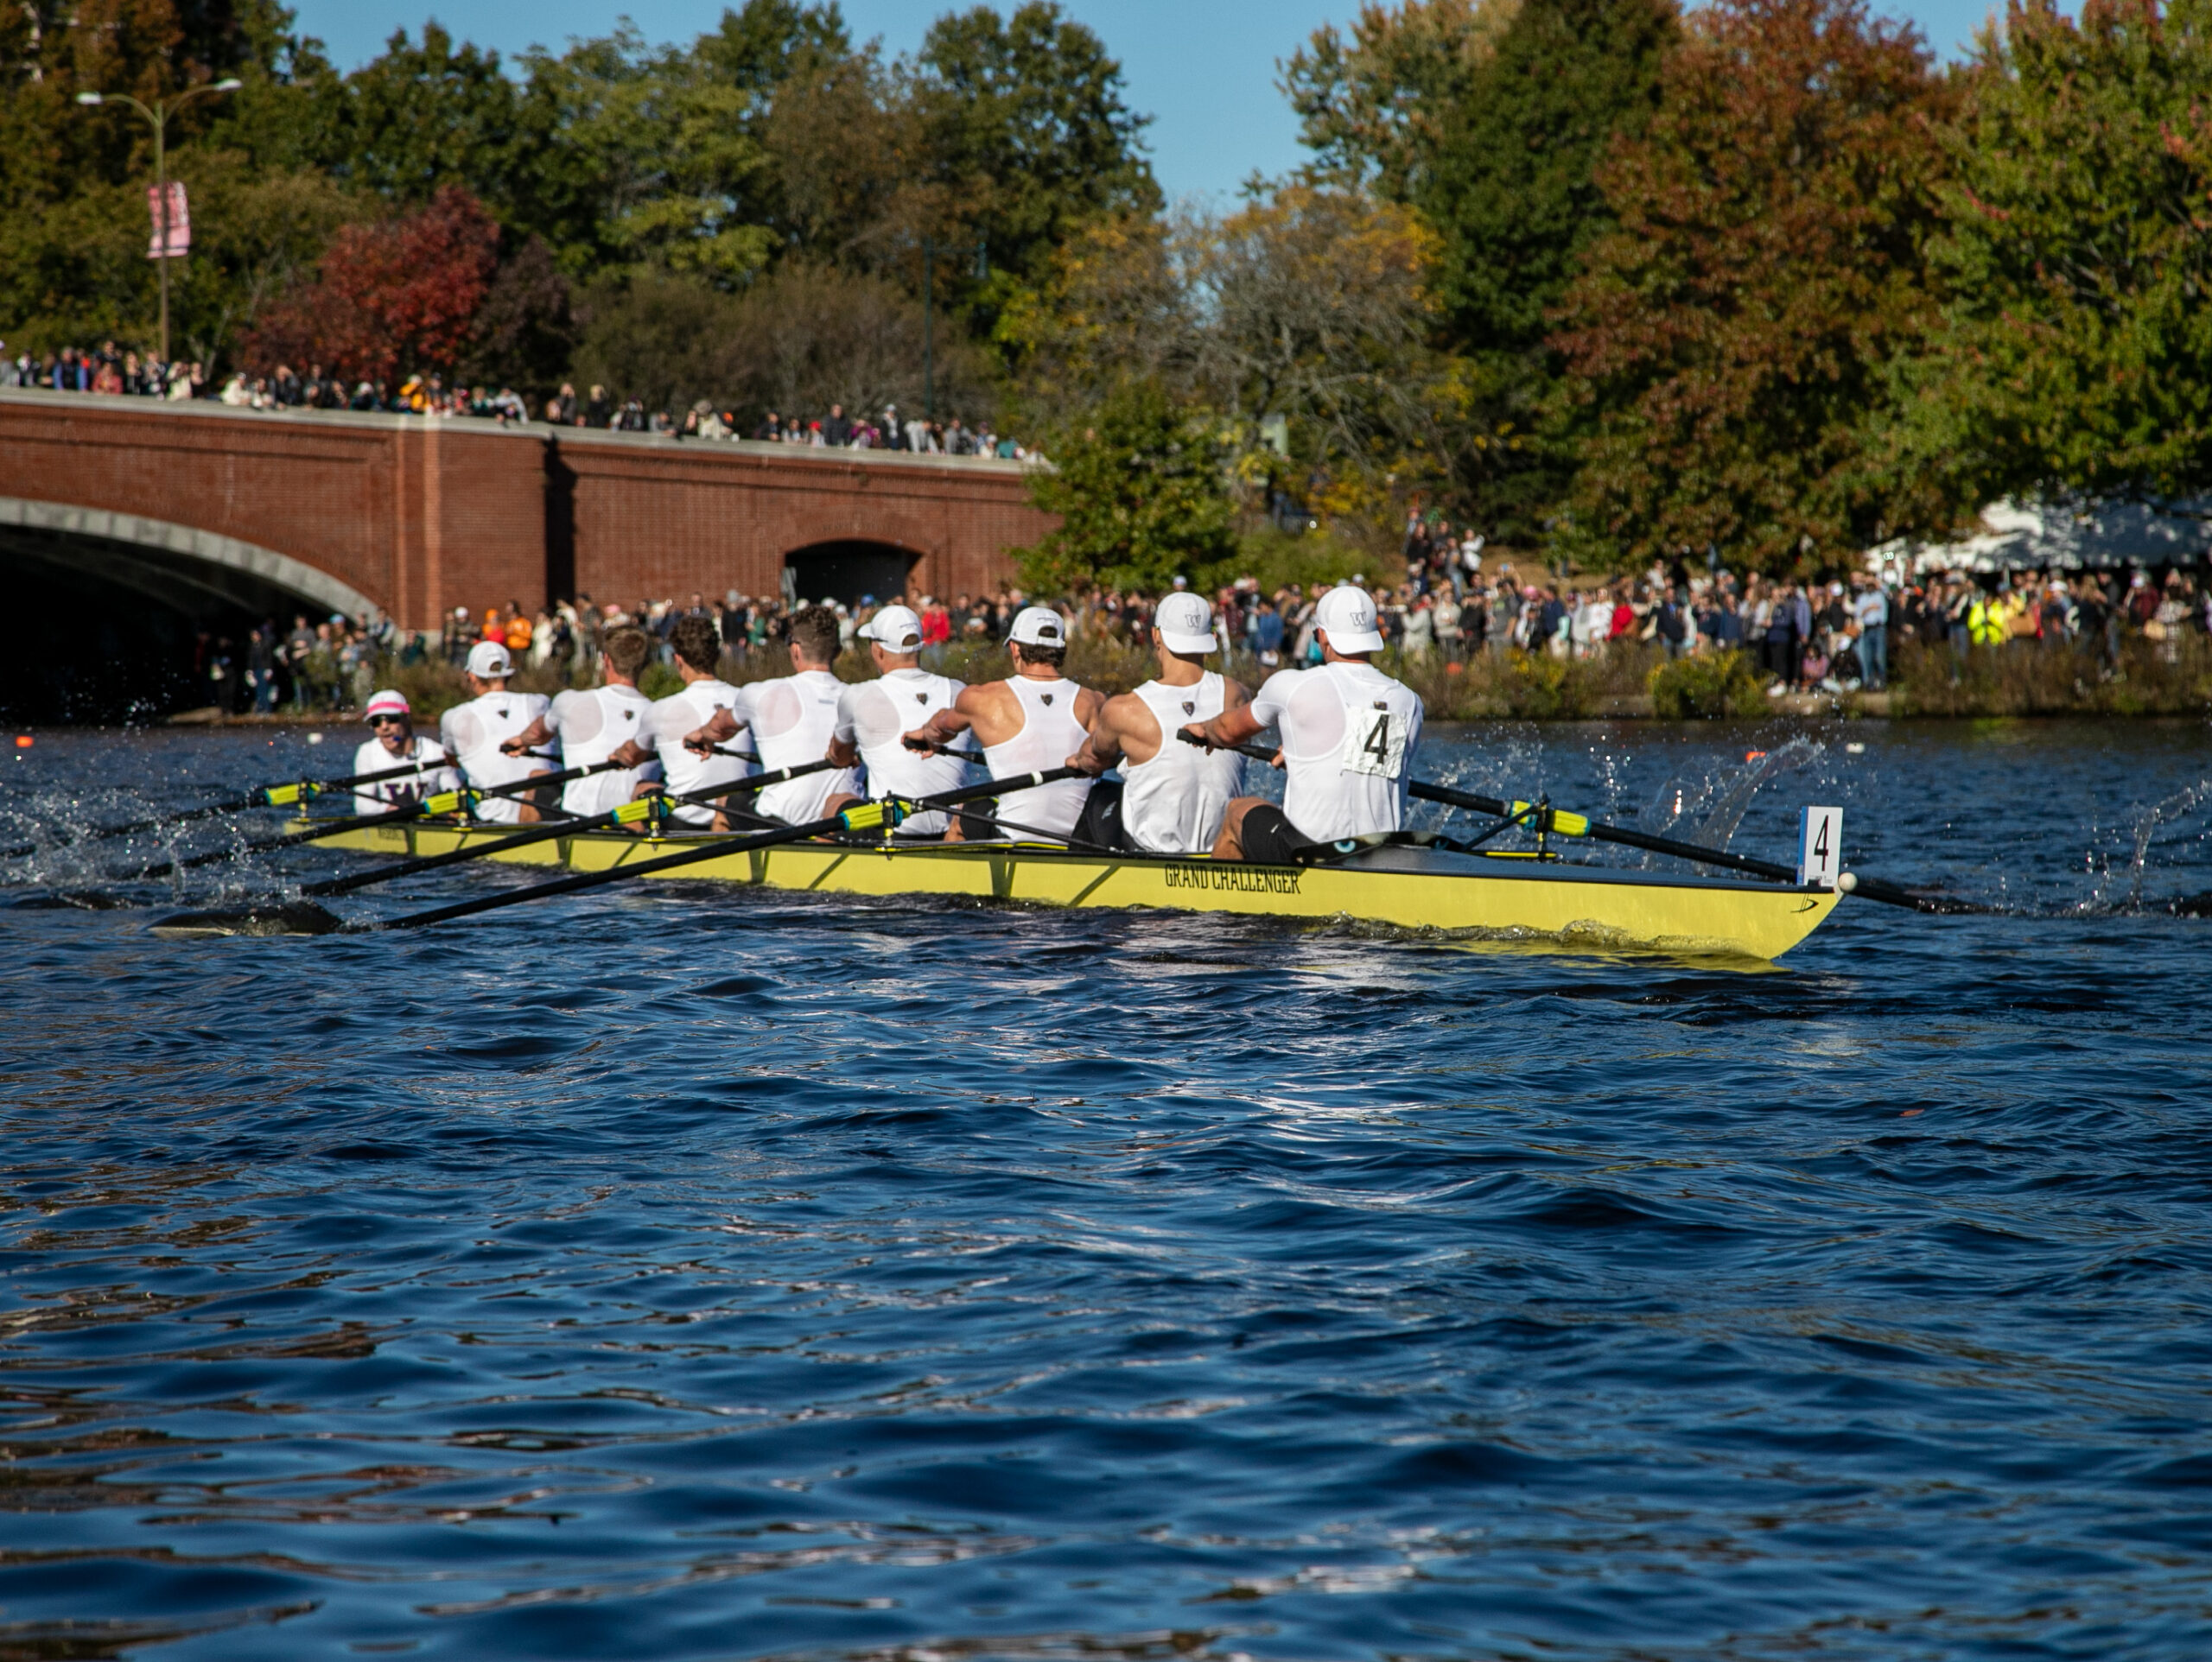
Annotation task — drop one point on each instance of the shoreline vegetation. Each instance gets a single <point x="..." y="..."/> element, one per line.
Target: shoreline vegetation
<point x="1628" y="682"/>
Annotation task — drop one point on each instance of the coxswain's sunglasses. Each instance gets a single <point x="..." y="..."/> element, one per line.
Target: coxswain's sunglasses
<point x="387" y="721"/>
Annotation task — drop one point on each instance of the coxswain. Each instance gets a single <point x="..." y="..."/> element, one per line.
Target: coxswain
<point x="473" y="732"/>
<point x="874" y="717"/>
<point x="592" y="725"/>
<point x="1030" y="722"/>
<point x="1174" y="795"/>
<point x="395" y="744"/>
<point x="1349" y="735"/>
<point x="793" y="719"/>
<point x="698" y="648"/>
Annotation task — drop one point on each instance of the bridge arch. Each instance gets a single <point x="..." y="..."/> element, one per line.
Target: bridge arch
<point x="176" y="561"/>
<point x="849" y="569"/>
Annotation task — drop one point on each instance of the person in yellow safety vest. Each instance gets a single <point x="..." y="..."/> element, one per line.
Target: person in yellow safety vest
<point x="1986" y="622"/>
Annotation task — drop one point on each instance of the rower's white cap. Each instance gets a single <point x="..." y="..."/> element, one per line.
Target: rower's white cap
<point x="1038" y="625"/>
<point x="1185" y="623"/>
<point x="387" y="702"/>
<point x="1348" y="614"/>
<point x="488" y="660"/>
<point x="898" y="628"/>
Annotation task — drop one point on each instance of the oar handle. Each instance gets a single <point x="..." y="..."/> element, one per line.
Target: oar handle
<point x="716" y="849"/>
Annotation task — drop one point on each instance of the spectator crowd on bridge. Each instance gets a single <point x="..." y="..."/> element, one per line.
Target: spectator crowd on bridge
<point x="116" y="371"/>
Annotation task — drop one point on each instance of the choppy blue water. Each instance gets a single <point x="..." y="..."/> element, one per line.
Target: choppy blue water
<point x="695" y="1273"/>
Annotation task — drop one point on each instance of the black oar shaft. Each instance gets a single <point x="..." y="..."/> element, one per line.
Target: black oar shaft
<point x="716" y="849"/>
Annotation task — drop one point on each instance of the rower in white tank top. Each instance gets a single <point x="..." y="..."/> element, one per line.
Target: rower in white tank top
<point x="473" y="732"/>
<point x="591" y="726"/>
<point x="1051" y="732"/>
<point x="684" y="770"/>
<point x="872" y="718"/>
<point x="1033" y="721"/>
<point x="1174" y="803"/>
<point x="1348" y="736"/>
<point x="1174" y="795"/>
<point x="793" y="719"/>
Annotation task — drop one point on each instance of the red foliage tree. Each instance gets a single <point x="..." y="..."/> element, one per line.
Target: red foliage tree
<point x="1737" y="332"/>
<point x="390" y="296"/>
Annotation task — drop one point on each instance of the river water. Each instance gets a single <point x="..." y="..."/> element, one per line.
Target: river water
<point x="695" y="1273"/>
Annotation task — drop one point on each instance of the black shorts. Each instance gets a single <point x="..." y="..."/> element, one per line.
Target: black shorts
<point x="1271" y="839"/>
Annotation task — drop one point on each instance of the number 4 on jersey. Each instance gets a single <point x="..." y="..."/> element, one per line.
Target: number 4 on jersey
<point x="1374" y="742"/>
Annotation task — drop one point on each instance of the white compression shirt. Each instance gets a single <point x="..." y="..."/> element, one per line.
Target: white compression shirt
<point x="793" y="719"/>
<point x="591" y="728"/>
<point x="1050" y="734"/>
<point x="685" y="771"/>
<point x="406" y="789"/>
<point x="1349" y="734"/>
<point x="473" y="733"/>
<point x="1174" y="803"/>
<point x="872" y="714"/>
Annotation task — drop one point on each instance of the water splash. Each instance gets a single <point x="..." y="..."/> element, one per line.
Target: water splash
<point x="2147" y="825"/>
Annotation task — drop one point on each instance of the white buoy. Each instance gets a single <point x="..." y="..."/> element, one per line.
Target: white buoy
<point x="1847" y="881"/>
<point x="314" y="738"/>
<point x="1854" y="750"/>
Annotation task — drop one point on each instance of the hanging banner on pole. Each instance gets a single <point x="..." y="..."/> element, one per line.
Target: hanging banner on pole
<point x="179" y="238"/>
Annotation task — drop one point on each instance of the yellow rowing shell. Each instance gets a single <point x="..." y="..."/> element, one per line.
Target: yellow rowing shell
<point x="1500" y="898"/>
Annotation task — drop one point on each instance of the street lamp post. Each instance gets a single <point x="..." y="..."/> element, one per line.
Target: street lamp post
<point x="158" y="117"/>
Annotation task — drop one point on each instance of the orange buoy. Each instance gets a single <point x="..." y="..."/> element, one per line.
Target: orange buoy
<point x="23" y="741"/>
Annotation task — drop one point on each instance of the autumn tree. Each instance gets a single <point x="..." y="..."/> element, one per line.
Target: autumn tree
<point x="2075" y="358"/>
<point x="1140" y="491"/>
<point x="1735" y="337"/>
<point x="398" y="295"/>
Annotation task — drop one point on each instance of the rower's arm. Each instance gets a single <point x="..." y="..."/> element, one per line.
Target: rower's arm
<point x="1231" y="726"/>
<point x="1102" y="748"/>
<point x="844" y="753"/>
<point x="528" y="738"/>
<point x="719" y="726"/>
<point x="947" y="724"/>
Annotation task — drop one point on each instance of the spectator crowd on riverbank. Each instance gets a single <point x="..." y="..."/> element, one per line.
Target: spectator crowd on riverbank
<point x="110" y="371"/>
<point x="1451" y="608"/>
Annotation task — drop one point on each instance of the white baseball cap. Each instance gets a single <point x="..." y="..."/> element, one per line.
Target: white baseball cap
<point x="898" y="628"/>
<point x="387" y="702"/>
<point x="488" y="661"/>
<point x="1038" y="625"/>
<point x="1185" y="623"/>
<point x="1348" y="614"/>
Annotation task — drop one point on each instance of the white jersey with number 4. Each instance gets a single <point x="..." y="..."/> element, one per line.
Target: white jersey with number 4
<point x="1349" y="735"/>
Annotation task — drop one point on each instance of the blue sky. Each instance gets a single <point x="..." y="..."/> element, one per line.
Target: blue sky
<point x="1204" y="69"/>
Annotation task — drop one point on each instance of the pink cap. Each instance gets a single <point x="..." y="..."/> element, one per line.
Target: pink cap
<point x="386" y="702"/>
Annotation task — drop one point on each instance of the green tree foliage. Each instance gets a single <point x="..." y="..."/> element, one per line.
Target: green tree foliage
<point x="2076" y="352"/>
<point x="1024" y="132"/>
<point x="1142" y="491"/>
<point x="1489" y="118"/>
<point x="1737" y="331"/>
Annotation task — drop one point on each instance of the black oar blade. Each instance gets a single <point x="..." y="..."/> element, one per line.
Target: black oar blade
<point x="277" y="917"/>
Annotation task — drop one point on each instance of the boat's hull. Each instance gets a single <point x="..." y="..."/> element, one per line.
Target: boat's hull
<point x="1408" y="887"/>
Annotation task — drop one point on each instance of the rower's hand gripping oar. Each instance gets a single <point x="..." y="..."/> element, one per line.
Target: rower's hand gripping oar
<point x="1546" y="820"/>
<point x="859" y="816"/>
<point x="301" y="791"/>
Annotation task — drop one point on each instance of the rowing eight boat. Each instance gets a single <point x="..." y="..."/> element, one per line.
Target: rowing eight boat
<point x="1498" y="896"/>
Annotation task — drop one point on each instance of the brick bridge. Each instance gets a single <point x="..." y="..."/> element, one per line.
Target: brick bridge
<point x="216" y="513"/>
